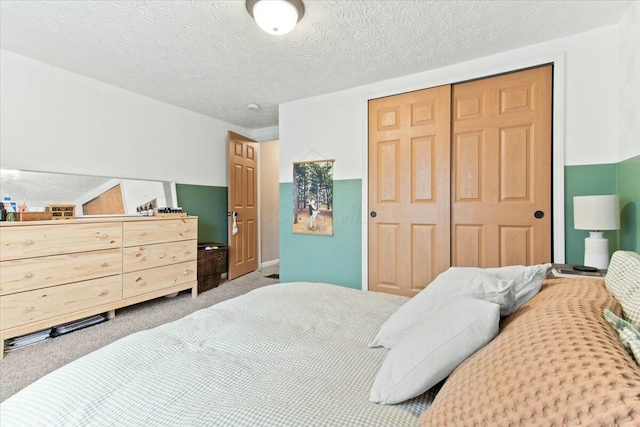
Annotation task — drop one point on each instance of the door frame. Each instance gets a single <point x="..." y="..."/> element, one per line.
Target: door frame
<point x="484" y="67"/>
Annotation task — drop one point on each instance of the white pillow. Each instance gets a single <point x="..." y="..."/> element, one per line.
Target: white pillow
<point x="500" y="285"/>
<point x="528" y="279"/>
<point x="433" y="348"/>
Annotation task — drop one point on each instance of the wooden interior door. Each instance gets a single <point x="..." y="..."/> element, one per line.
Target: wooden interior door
<point x="409" y="190"/>
<point x="501" y="181"/>
<point x="243" y="199"/>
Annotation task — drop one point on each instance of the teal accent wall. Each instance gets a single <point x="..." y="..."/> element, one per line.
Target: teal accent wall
<point x="209" y="204"/>
<point x="628" y="180"/>
<point x="338" y="259"/>
<point x="332" y="259"/>
<point x="585" y="180"/>
<point x="617" y="178"/>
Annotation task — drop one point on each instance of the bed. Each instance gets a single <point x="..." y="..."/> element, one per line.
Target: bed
<point x="284" y="355"/>
<point x="557" y="352"/>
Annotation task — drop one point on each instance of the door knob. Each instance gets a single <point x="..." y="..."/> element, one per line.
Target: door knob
<point x="539" y="214"/>
<point x="373" y="214"/>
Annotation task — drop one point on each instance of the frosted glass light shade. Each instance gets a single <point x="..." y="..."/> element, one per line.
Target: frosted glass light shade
<point x="596" y="213"/>
<point x="276" y="17"/>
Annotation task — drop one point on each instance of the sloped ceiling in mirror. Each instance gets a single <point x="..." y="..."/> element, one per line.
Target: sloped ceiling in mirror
<point x="39" y="188"/>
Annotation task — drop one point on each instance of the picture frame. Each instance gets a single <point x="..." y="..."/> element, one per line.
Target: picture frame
<point x="313" y="197"/>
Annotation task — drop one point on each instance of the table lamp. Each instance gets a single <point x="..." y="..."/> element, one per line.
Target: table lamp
<point x="596" y="213"/>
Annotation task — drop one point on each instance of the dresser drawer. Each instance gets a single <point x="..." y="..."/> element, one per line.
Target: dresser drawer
<point x="69" y="237"/>
<point x="34" y="273"/>
<point x="32" y="306"/>
<point x="159" y="231"/>
<point x="141" y="282"/>
<point x="151" y="256"/>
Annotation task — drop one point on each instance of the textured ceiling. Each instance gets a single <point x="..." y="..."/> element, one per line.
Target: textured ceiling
<point x="210" y="57"/>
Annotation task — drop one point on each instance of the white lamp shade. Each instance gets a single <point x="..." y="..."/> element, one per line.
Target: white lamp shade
<point x="596" y="212"/>
<point x="276" y="17"/>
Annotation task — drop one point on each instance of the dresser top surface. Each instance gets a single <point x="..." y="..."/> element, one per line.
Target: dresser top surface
<point x="92" y="219"/>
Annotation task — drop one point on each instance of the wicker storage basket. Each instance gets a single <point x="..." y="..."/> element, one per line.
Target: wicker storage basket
<point x="211" y="264"/>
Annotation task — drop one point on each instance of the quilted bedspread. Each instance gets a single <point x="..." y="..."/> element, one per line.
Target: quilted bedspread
<point x="291" y="354"/>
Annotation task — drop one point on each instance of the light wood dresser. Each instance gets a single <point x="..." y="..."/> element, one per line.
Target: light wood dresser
<point x="52" y="272"/>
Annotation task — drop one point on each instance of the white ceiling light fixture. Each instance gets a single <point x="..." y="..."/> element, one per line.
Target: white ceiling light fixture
<point x="276" y="17"/>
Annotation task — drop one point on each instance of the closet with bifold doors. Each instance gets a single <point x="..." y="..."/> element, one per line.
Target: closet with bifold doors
<point x="459" y="175"/>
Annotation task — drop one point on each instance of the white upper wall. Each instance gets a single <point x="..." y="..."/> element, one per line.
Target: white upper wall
<point x="334" y="125"/>
<point x="58" y="121"/>
<point x="324" y="127"/>
<point x="628" y="78"/>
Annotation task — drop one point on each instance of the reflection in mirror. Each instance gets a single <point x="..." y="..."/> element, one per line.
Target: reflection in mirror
<point x="92" y="195"/>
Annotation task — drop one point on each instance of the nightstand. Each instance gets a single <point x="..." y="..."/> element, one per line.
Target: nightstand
<point x="566" y="270"/>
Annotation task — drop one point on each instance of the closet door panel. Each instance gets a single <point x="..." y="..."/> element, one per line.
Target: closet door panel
<point x="468" y="166"/>
<point x="516" y="245"/>
<point x="423" y="251"/>
<point x="388" y="235"/>
<point x="388" y="154"/>
<point x="502" y="169"/>
<point x="468" y="245"/>
<point x="423" y="170"/>
<point x="409" y="190"/>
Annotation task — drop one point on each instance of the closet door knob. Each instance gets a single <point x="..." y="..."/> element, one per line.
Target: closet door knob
<point x="539" y="214"/>
<point x="374" y="214"/>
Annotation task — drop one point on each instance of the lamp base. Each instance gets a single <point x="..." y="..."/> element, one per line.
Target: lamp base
<point x="596" y="250"/>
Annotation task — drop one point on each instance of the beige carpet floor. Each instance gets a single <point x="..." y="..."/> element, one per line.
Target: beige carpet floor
<point x="21" y="367"/>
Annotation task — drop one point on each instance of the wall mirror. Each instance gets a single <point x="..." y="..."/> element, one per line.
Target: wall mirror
<point x="91" y="195"/>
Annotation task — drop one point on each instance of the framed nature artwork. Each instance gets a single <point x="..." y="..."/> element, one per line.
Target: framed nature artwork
<point x="313" y="197"/>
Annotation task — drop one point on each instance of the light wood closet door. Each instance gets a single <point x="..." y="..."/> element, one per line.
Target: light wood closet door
<point x="501" y="181"/>
<point x="409" y="190"/>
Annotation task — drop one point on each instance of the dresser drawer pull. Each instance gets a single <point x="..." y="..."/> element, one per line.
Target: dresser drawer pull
<point x="105" y="264"/>
<point x="28" y="309"/>
<point x="140" y="281"/>
<point x="28" y="275"/>
<point x="28" y="242"/>
<point x="104" y="236"/>
<point x="103" y="293"/>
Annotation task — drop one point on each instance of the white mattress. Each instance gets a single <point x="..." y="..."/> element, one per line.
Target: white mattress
<point x="290" y="354"/>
